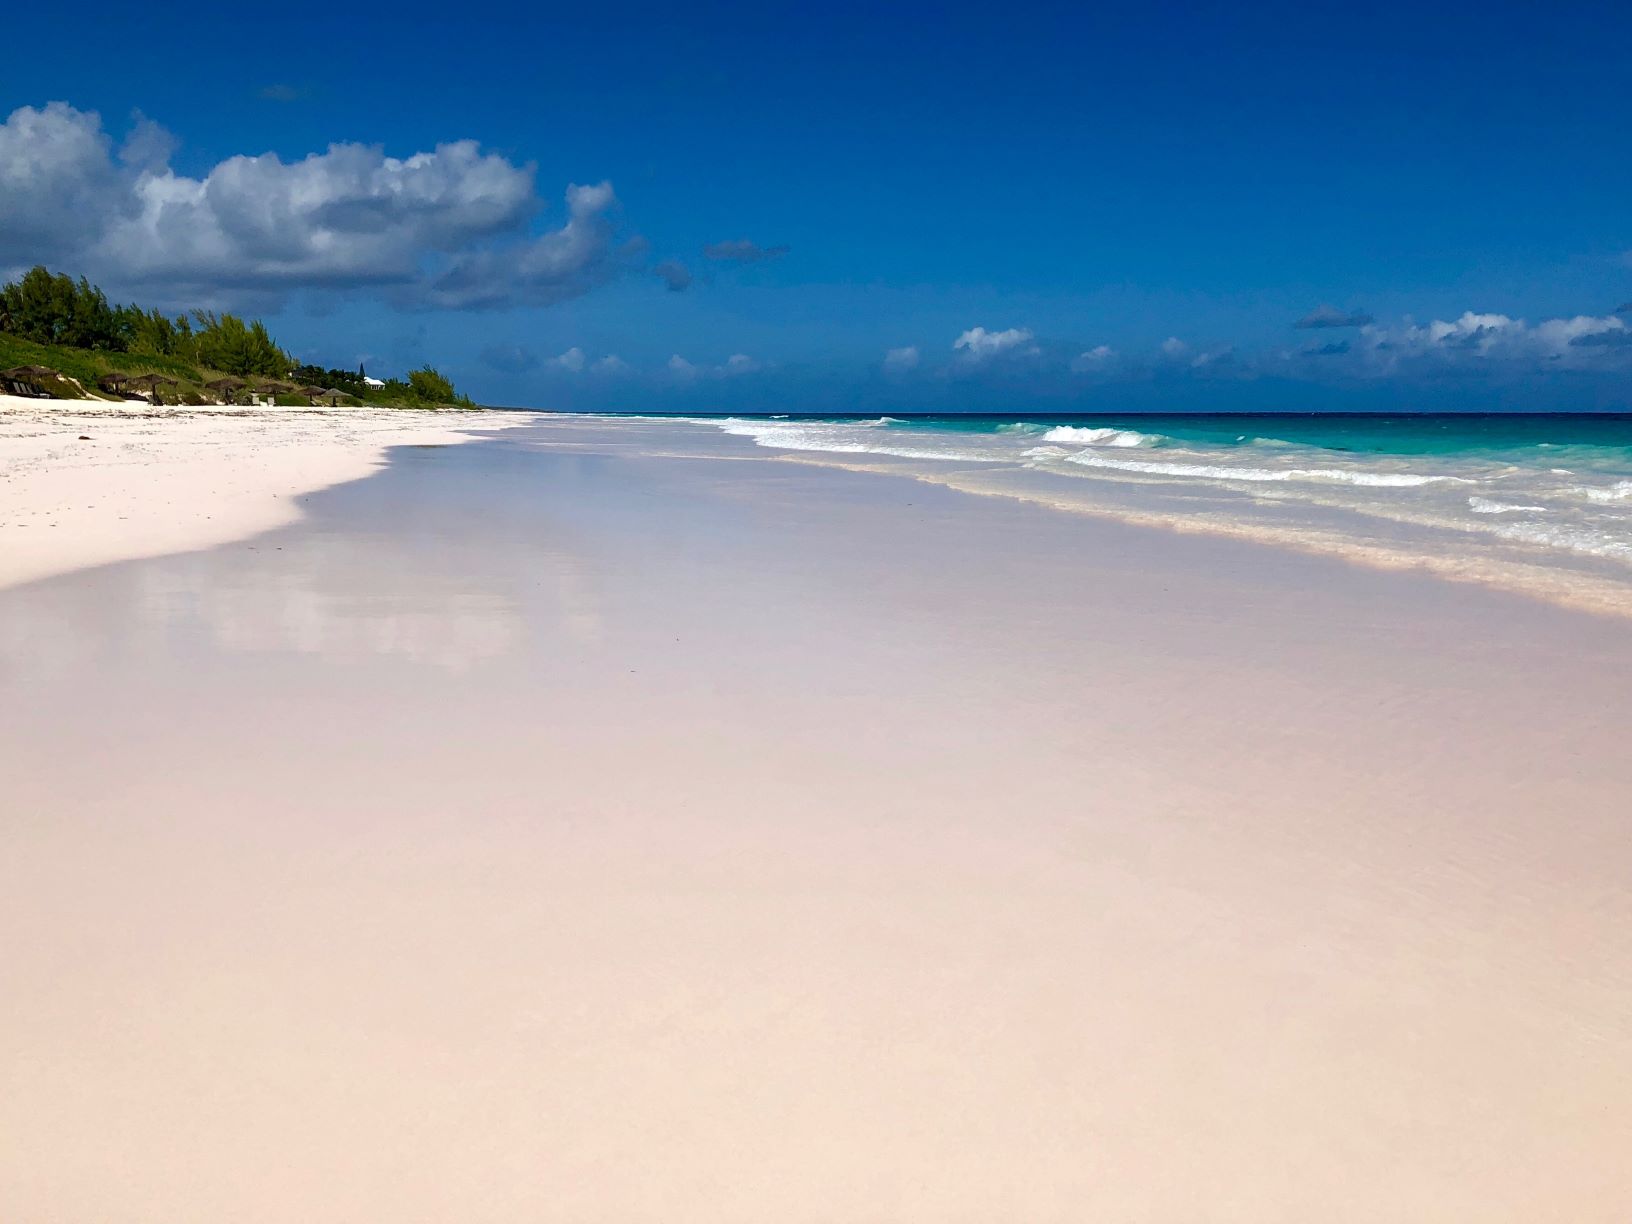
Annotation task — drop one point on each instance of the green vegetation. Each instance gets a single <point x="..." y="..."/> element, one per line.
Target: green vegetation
<point x="87" y="367"/>
<point x="425" y="387"/>
<point x="66" y="325"/>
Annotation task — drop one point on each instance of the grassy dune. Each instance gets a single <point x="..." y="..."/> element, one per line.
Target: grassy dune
<point x="87" y="366"/>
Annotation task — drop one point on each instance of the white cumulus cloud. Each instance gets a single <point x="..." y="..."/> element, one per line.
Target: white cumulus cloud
<point x="449" y="226"/>
<point x="978" y="344"/>
<point x="1492" y="340"/>
<point x="900" y="360"/>
<point x="1096" y="358"/>
<point x="732" y="366"/>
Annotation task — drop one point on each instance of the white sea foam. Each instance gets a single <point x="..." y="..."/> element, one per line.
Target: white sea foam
<point x="834" y="438"/>
<point x="1099" y="437"/>
<point x="1483" y="505"/>
<point x="1619" y="491"/>
<point x="1401" y="480"/>
<point x="1575" y="539"/>
<point x="1505" y="508"/>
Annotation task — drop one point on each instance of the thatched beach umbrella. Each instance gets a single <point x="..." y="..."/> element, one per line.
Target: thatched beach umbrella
<point x="331" y="396"/>
<point x="150" y="383"/>
<point x="27" y="379"/>
<point x="225" y="387"/>
<point x="312" y="391"/>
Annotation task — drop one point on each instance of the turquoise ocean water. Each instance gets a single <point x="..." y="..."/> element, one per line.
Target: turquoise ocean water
<point x="1537" y="503"/>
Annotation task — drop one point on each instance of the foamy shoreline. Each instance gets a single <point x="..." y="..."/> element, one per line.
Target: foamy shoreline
<point x="1372" y="510"/>
<point x="86" y="483"/>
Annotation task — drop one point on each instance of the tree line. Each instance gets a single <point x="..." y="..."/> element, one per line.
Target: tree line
<point x="56" y="309"/>
<point x="423" y="386"/>
<point x="53" y="308"/>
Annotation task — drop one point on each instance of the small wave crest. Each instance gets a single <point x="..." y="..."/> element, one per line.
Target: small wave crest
<point x="1619" y="491"/>
<point x="1085" y="436"/>
<point x="1483" y="505"/>
<point x="1571" y="538"/>
<point x="1385" y="480"/>
<point x="832" y="437"/>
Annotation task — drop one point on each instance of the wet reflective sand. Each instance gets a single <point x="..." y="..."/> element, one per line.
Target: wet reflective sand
<point x="544" y="830"/>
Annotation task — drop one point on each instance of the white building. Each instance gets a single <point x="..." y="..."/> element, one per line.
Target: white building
<point x="374" y="384"/>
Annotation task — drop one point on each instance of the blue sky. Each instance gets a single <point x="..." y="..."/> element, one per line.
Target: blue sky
<point x="1042" y="206"/>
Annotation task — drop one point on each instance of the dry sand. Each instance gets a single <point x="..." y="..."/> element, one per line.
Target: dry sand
<point x="86" y="482"/>
<point x="544" y="831"/>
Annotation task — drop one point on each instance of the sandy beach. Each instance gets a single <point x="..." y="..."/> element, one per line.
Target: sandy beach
<point x="619" y="821"/>
<point x="84" y="482"/>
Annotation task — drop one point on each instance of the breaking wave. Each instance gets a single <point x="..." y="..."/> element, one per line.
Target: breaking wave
<point x="1619" y="491"/>
<point x="1084" y="436"/>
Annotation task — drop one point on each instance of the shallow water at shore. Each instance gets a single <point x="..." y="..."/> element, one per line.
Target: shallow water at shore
<point x="1535" y="504"/>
